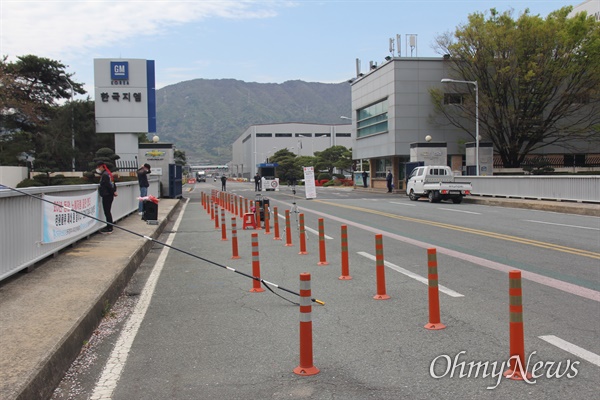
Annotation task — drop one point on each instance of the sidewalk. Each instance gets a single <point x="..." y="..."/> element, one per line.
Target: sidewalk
<point x="47" y="314"/>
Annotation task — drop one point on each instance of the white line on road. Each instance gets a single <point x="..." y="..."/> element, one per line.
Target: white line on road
<point x="307" y="228"/>
<point x="573" y="349"/>
<point x="568" y="226"/>
<point x="116" y="362"/>
<point x="462" y="211"/>
<point x="403" y="204"/>
<point x="410" y="274"/>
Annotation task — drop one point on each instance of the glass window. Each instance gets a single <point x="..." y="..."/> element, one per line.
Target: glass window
<point x="283" y="135"/>
<point x="372" y="119"/>
<point x="453" y="98"/>
<point x="264" y="135"/>
<point x="382" y="165"/>
<point x="342" y="135"/>
<point x="322" y="134"/>
<point x="303" y="135"/>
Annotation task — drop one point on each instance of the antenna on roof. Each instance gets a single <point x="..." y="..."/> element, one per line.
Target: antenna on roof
<point x="357" y="67"/>
<point x="399" y="43"/>
<point x="392" y="46"/>
<point x="411" y="40"/>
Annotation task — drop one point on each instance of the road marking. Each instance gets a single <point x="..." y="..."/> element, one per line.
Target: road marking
<point x="567" y="287"/>
<point x="403" y="204"/>
<point x="307" y="228"/>
<point x="573" y="349"/>
<point x="500" y="236"/>
<point x="410" y="274"/>
<point x="568" y="226"/>
<point x="461" y="211"/>
<point x="118" y="357"/>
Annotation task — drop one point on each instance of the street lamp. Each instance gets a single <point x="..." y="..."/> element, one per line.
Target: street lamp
<point x="72" y="122"/>
<point x="446" y="80"/>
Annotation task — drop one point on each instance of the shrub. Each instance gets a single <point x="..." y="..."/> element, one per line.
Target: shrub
<point x="323" y="176"/>
<point x="29" y="183"/>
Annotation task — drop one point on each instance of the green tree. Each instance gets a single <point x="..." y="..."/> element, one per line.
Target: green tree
<point x="30" y="91"/>
<point x="333" y="157"/>
<point x="180" y="158"/>
<point x="539" y="80"/>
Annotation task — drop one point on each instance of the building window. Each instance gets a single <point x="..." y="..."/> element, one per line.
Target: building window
<point x="303" y="135"/>
<point x="264" y="135"/>
<point x="382" y="165"/>
<point x="372" y="119"/>
<point x="283" y="135"/>
<point x="453" y="98"/>
<point x="322" y="134"/>
<point x="343" y="135"/>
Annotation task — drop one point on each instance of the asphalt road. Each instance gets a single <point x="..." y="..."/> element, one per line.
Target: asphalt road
<point x="204" y="335"/>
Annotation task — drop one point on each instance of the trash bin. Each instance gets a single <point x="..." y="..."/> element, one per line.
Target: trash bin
<point x="150" y="211"/>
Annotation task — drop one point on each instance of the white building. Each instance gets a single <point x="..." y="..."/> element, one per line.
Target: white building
<point x="260" y="142"/>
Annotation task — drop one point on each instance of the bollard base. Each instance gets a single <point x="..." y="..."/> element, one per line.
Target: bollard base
<point x="306" y="371"/>
<point x="517" y="375"/>
<point x="435" y="327"/>
<point x="345" y="278"/>
<point x="257" y="290"/>
<point x="303" y="252"/>
<point x="235" y="257"/>
<point x="381" y="297"/>
<point x="322" y="263"/>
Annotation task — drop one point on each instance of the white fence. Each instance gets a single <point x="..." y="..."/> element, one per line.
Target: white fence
<point x="561" y="188"/>
<point x="21" y="221"/>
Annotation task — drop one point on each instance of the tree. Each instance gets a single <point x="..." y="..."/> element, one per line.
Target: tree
<point x="333" y="157"/>
<point x="30" y="91"/>
<point x="539" y="80"/>
<point x="179" y="157"/>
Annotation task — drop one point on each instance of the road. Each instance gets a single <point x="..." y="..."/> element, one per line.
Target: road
<point x="199" y="333"/>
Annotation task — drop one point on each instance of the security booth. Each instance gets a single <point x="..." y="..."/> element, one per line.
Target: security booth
<point x="266" y="171"/>
<point x="161" y="157"/>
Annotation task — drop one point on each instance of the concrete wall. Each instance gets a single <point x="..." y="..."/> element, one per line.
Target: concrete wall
<point x="11" y="176"/>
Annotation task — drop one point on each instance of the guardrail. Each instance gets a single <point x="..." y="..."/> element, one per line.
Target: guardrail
<point x="548" y="187"/>
<point x="21" y="229"/>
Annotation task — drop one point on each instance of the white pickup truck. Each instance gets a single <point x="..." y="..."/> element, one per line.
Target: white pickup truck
<point x="437" y="184"/>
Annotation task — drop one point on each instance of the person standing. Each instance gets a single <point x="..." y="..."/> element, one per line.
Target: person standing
<point x="142" y="175"/>
<point x="257" y="182"/>
<point x="364" y="176"/>
<point x="108" y="191"/>
<point x="389" y="178"/>
<point x="223" y="183"/>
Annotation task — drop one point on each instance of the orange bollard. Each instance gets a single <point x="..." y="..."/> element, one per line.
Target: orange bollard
<point x="223" y="225"/>
<point x="380" y="267"/>
<point x="517" y="364"/>
<point x="257" y="214"/>
<point x="322" y="253"/>
<point x="302" y="235"/>
<point x="245" y="206"/>
<point x="241" y="206"/>
<point x="235" y="201"/>
<point x="234" y="242"/>
<point x="216" y="216"/>
<point x="434" y="293"/>
<point x="345" y="265"/>
<point x="276" y="224"/>
<point x="267" y="220"/>
<point x="288" y="229"/>
<point x="256" y="287"/>
<point x="306" y="367"/>
<point x="211" y="210"/>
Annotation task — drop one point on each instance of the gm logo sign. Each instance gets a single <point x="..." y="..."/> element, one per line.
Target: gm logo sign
<point x="119" y="70"/>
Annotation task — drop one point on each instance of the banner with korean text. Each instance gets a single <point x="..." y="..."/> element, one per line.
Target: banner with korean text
<point x="58" y="223"/>
<point x="309" y="183"/>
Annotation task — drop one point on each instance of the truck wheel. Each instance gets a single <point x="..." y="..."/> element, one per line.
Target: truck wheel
<point x="412" y="195"/>
<point x="457" y="200"/>
<point x="432" y="196"/>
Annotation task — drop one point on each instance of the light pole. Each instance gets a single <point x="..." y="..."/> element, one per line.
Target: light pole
<point x="72" y="122"/>
<point x="446" y="80"/>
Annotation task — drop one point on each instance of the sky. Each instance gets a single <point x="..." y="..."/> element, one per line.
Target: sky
<point x="265" y="41"/>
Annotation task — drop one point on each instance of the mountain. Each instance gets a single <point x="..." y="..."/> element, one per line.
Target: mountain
<point x="203" y="117"/>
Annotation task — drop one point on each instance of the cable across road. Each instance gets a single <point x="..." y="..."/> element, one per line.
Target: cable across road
<point x="265" y="283"/>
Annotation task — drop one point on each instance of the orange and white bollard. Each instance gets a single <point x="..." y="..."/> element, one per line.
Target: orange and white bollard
<point x="211" y="210"/>
<point x="257" y="214"/>
<point x="216" y="216"/>
<point x="380" y="267"/>
<point x="302" y="235"/>
<point x="256" y="287"/>
<point x="434" y="293"/>
<point x="234" y="242"/>
<point x="223" y="225"/>
<point x="345" y="264"/>
<point x="267" y="220"/>
<point x="517" y="366"/>
<point x="322" y="252"/>
<point x="306" y="367"/>
<point x="276" y="224"/>
<point x="288" y="229"/>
